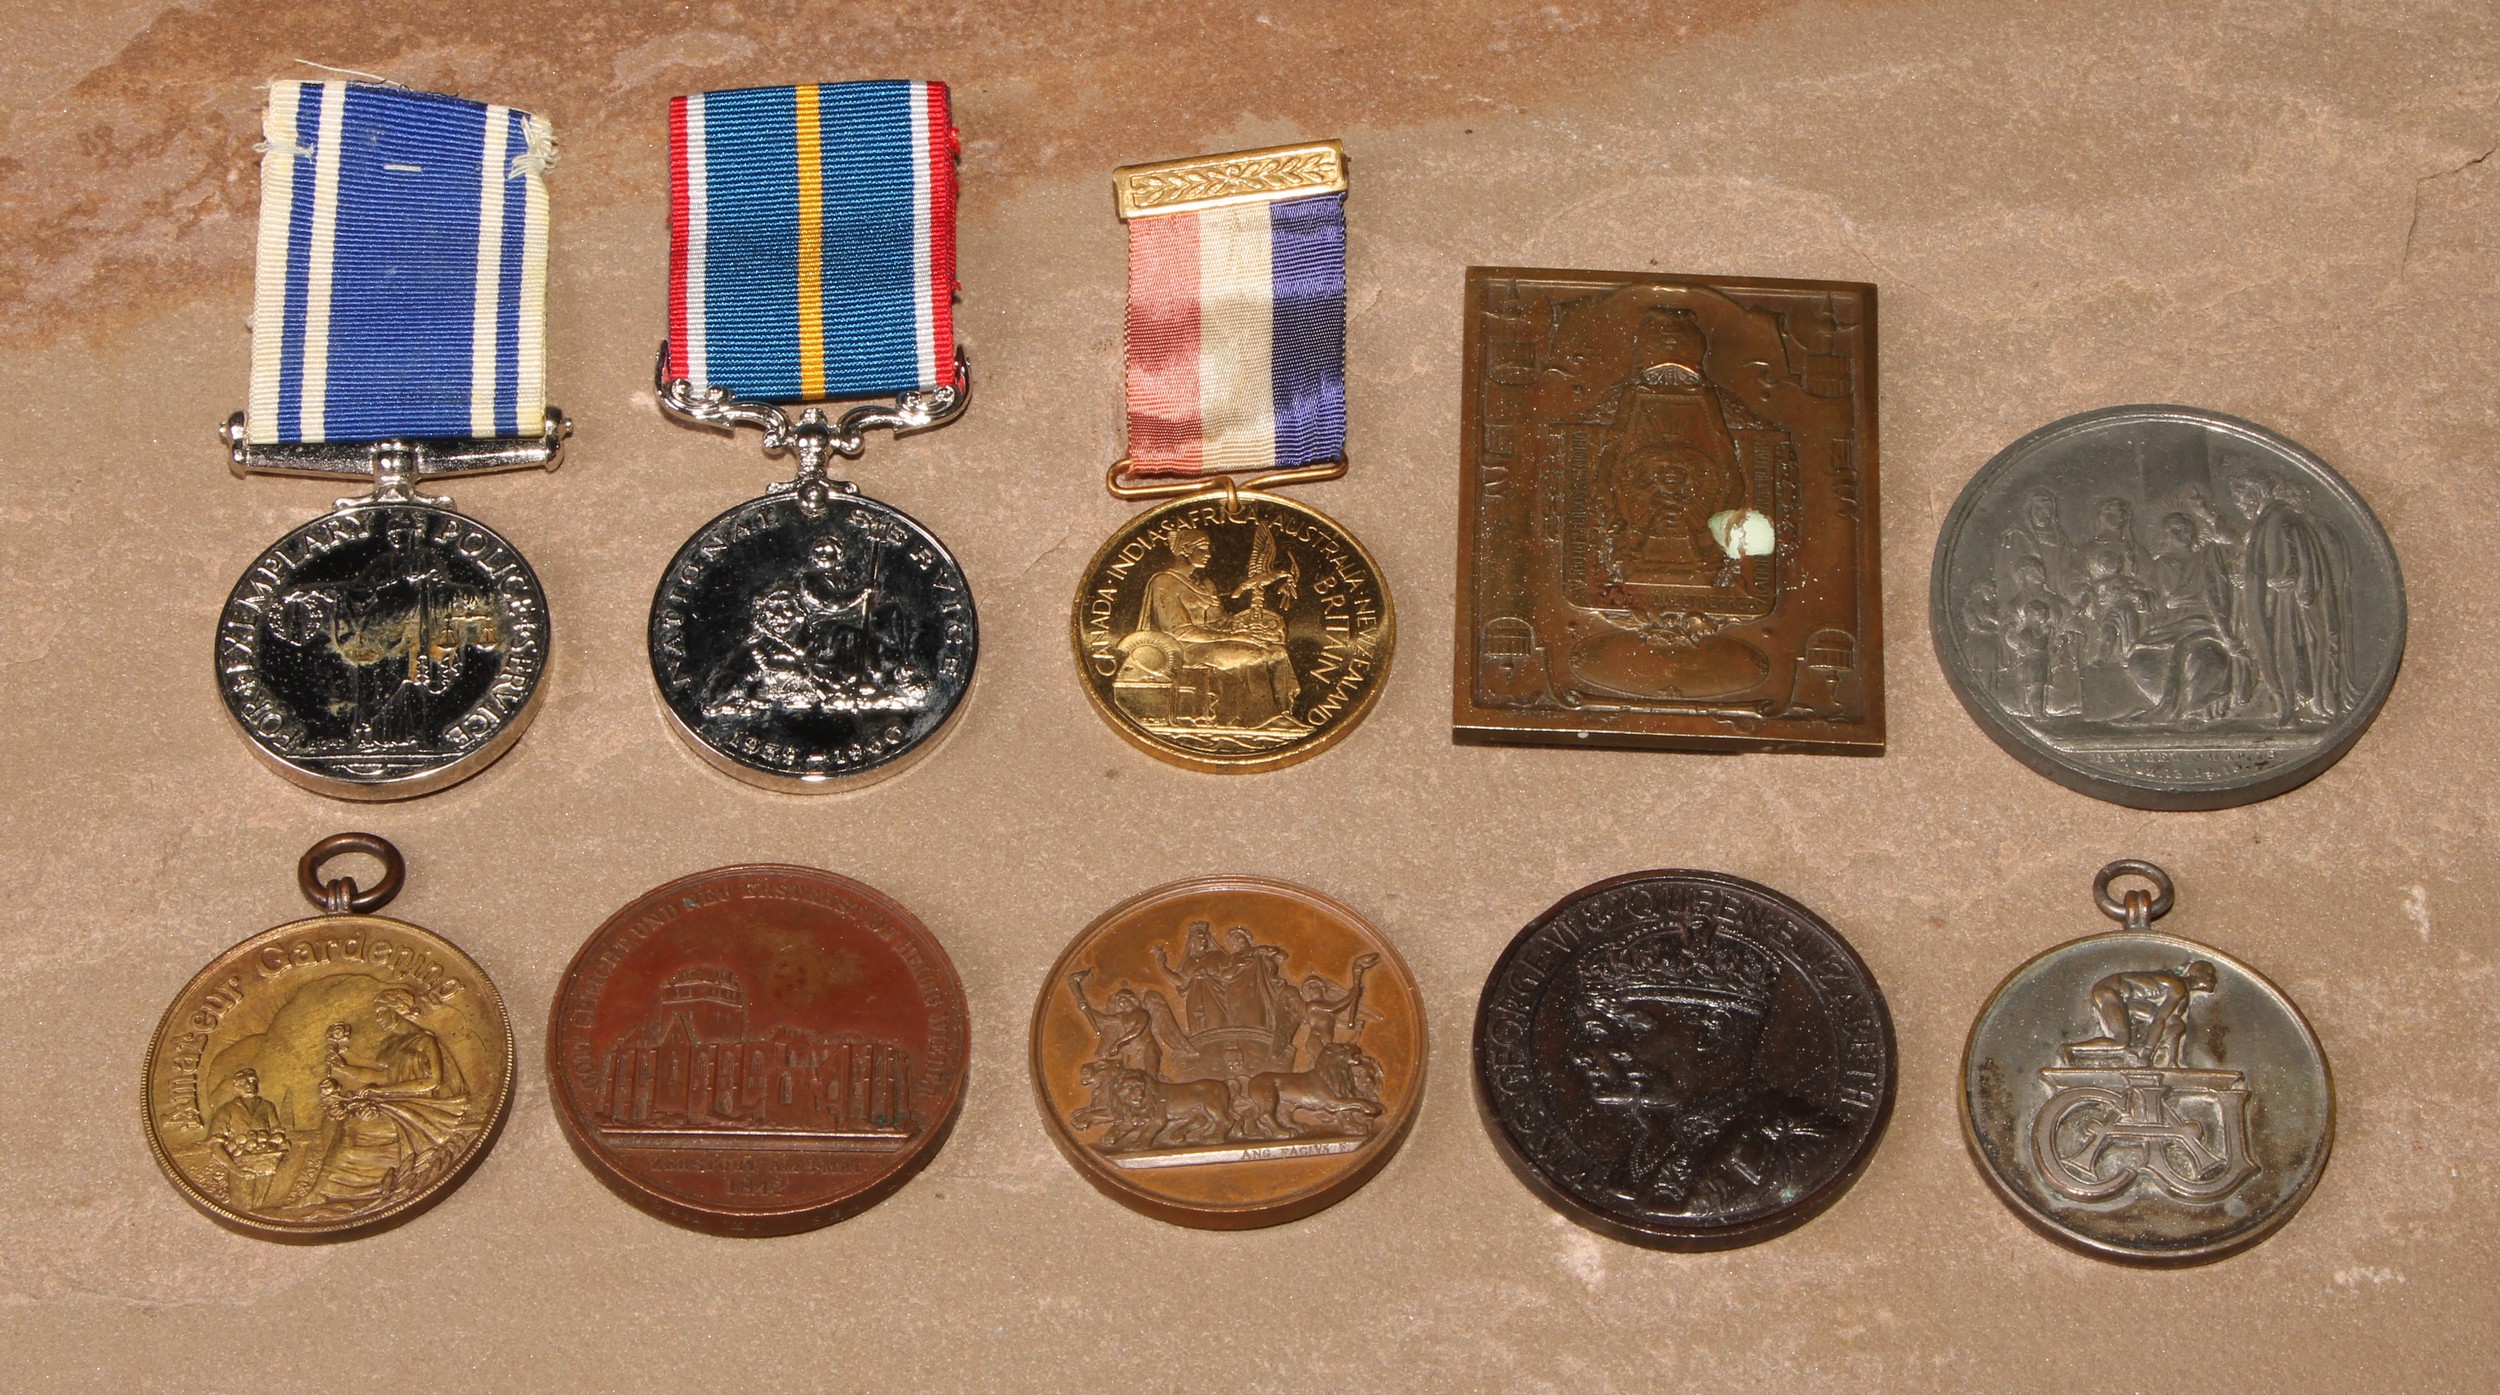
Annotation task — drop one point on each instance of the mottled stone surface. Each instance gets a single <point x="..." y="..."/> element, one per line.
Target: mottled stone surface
<point x="2283" y="211"/>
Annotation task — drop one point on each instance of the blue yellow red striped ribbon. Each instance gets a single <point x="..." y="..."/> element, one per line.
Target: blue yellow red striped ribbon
<point x="812" y="240"/>
<point x="402" y="278"/>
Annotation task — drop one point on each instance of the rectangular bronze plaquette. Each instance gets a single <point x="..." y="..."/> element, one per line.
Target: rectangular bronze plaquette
<point x="1667" y="526"/>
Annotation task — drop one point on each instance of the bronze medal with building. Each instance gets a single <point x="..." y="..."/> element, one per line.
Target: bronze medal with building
<point x="1229" y="1052"/>
<point x="1227" y="628"/>
<point x="2145" y="1098"/>
<point x="333" y="1076"/>
<point x="1668" y="514"/>
<point x="758" y="1050"/>
<point x="2167" y="608"/>
<point x="1684" y="1060"/>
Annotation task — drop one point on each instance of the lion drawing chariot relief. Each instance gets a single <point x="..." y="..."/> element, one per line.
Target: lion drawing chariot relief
<point x="1232" y="1057"/>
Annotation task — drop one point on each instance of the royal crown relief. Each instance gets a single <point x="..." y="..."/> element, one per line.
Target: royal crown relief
<point x="1669" y="531"/>
<point x="1684" y="1060"/>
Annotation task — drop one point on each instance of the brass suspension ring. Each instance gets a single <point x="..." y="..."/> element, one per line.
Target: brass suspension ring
<point x="2136" y="911"/>
<point x="341" y="895"/>
<point x="1118" y="480"/>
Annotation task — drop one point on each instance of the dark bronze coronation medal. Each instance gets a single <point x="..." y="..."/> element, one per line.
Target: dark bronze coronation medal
<point x="1668" y="514"/>
<point x="2167" y="608"/>
<point x="1684" y="1060"/>
<point x="758" y="1050"/>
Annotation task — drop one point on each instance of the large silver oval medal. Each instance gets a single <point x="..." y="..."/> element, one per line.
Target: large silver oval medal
<point x="813" y="640"/>
<point x="384" y="650"/>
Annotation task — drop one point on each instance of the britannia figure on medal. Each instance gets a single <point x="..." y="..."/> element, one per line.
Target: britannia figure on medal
<point x="1193" y="662"/>
<point x="813" y="639"/>
<point x="1228" y="628"/>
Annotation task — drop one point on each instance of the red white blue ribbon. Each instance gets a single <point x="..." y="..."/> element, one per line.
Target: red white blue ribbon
<point x="812" y="240"/>
<point x="402" y="278"/>
<point x="1236" y="337"/>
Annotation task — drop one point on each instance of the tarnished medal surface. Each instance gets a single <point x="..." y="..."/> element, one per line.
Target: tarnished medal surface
<point x="332" y="1076"/>
<point x="2145" y="1098"/>
<point x="2167" y="608"/>
<point x="813" y="639"/>
<point x="1229" y="1052"/>
<point x="1233" y="631"/>
<point x="1667" y="514"/>
<point x="758" y="1050"/>
<point x="384" y="650"/>
<point x="1684" y="1060"/>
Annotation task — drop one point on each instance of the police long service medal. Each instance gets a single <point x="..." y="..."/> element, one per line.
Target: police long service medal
<point x="394" y="645"/>
<point x="1227" y="628"/>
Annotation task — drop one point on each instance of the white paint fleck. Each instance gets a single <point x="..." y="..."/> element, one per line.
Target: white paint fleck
<point x="2371" y="1274"/>
<point x="1584" y="1256"/>
<point x="1743" y="532"/>
<point x="2418" y="911"/>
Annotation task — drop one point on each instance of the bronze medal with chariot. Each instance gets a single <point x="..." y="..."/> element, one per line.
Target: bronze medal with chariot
<point x="333" y="1076"/>
<point x="1229" y="1052"/>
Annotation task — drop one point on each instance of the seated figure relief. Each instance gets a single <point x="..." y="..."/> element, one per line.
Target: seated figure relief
<point x="1193" y="660"/>
<point x="2222" y="624"/>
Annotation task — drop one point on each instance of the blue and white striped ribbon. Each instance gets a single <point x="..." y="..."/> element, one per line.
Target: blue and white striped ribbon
<point x="402" y="283"/>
